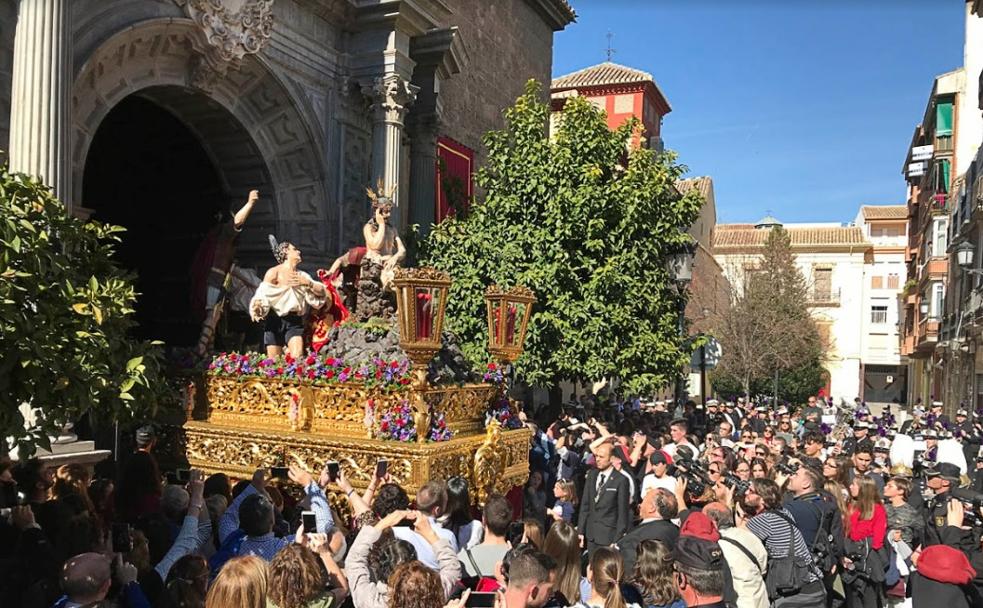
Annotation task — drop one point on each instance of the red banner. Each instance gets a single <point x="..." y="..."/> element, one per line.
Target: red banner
<point x="454" y="183"/>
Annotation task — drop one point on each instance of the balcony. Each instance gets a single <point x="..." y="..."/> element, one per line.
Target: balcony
<point x="943" y="146"/>
<point x="823" y="297"/>
<point x="927" y="335"/>
<point x="907" y="345"/>
<point x="934" y="268"/>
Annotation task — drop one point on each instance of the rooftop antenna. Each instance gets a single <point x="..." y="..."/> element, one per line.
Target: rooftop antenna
<point x="610" y="50"/>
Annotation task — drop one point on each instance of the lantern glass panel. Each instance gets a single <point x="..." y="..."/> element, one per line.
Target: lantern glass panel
<point x="427" y="302"/>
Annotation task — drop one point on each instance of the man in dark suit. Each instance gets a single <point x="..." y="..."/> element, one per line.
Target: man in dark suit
<point x="604" y="508"/>
<point x="656" y="510"/>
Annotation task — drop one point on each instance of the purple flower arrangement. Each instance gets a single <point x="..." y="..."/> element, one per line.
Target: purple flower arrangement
<point x="398" y="425"/>
<point x="501" y="411"/>
<point x="387" y="375"/>
<point x="493" y="374"/>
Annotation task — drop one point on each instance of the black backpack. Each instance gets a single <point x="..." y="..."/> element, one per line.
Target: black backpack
<point x="823" y="547"/>
<point x="787" y="574"/>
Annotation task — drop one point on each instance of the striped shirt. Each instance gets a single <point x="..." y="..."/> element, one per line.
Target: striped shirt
<point x="775" y="534"/>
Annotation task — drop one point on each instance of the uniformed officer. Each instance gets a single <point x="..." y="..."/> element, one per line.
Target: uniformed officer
<point x="940" y="479"/>
<point x="860" y="432"/>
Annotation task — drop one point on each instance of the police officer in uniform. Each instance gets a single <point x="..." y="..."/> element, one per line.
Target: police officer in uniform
<point x="941" y="479"/>
<point x="860" y="431"/>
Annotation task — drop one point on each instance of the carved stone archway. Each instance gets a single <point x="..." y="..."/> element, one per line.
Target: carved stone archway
<point x="249" y="124"/>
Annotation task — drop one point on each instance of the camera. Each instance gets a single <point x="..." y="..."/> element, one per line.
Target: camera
<point x="972" y="503"/>
<point x="690" y="470"/>
<point x="786" y="468"/>
<point x="740" y="486"/>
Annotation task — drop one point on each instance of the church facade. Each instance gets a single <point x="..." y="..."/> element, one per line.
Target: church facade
<point x="159" y="114"/>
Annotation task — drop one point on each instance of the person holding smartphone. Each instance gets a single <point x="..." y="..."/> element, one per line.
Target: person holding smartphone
<point x="253" y="512"/>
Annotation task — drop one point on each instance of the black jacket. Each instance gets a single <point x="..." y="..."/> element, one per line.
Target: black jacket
<point x="666" y="531"/>
<point x="604" y="514"/>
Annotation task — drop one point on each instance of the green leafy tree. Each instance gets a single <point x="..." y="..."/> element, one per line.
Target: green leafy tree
<point x="586" y="224"/>
<point x="768" y="328"/>
<point x="65" y="317"/>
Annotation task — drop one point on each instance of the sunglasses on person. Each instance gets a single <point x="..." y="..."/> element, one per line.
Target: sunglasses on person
<point x="831" y="465"/>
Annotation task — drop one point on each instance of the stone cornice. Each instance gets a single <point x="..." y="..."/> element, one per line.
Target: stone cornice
<point x="556" y="13"/>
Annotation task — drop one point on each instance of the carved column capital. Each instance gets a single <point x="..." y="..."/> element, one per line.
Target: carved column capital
<point x="390" y="95"/>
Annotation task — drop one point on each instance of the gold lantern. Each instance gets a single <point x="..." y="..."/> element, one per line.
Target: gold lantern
<point x="508" y="319"/>
<point x="421" y="298"/>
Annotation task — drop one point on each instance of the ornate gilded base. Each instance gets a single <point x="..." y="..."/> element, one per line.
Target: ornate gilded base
<point x="239" y="452"/>
<point x="251" y="423"/>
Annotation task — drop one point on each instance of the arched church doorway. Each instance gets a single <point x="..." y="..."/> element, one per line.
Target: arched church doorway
<point x="166" y="164"/>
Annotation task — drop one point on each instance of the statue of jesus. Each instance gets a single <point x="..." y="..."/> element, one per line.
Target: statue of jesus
<point x="382" y="242"/>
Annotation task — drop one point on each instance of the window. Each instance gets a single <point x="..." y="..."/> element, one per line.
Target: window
<point x="878" y="314"/>
<point x="893" y="280"/>
<point x="938" y="301"/>
<point x="939" y="236"/>
<point x="877" y="282"/>
<point x="943" y="118"/>
<point x="822" y="287"/>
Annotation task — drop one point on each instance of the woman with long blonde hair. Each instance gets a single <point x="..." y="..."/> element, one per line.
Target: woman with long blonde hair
<point x="242" y="582"/>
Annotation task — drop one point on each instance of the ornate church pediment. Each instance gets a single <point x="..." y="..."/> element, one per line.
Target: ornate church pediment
<point x="231" y="29"/>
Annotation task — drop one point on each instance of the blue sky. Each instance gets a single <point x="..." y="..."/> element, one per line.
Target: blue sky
<point x="802" y="108"/>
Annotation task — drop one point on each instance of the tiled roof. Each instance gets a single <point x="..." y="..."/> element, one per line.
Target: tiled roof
<point x="744" y="236"/>
<point x="885" y="212"/>
<point x="702" y="185"/>
<point x="601" y="74"/>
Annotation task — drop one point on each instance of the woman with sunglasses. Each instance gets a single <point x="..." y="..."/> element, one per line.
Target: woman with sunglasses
<point x="743" y="470"/>
<point x="836" y="469"/>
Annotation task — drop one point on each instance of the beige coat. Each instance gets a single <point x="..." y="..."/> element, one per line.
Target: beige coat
<point x="749" y="577"/>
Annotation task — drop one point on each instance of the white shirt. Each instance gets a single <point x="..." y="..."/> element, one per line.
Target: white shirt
<point x="666" y="482"/>
<point x="424" y="551"/>
<point x="670" y="448"/>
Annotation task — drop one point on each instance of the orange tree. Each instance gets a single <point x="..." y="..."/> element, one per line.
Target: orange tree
<point x="584" y="220"/>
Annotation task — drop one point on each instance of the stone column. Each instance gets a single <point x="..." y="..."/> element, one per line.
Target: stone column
<point x="390" y="95"/>
<point x="423" y="171"/>
<point x="40" y="112"/>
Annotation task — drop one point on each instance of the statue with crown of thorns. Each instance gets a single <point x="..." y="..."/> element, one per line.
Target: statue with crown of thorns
<point x="366" y="273"/>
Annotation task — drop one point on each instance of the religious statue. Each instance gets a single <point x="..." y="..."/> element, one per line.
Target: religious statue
<point x="213" y="270"/>
<point x="290" y="294"/>
<point x="365" y="274"/>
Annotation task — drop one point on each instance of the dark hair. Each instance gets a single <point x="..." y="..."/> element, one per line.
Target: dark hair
<point x="768" y="490"/>
<point x="389" y="498"/>
<point x="653" y="573"/>
<point x="256" y="515"/>
<point x="295" y="577"/>
<point x="387" y="553"/>
<point x="498" y="515"/>
<point x="218" y="484"/>
<point x="458" y="503"/>
<point x="413" y="585"/>
<point x="814" y="437"/>
<point x="239" y="488"/>
<point x="29" y="474"/>
<point x="903" y="485"/>
<point x="864" y="447"/>
<point x="187" y="582"/>
<point x="523" y="564"/>
<point x="680" y="422"/>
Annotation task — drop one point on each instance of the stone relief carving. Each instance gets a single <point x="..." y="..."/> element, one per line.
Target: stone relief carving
<point x="232" y="29"/>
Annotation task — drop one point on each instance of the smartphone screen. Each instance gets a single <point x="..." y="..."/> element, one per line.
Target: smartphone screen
<point x="381" y="468"/>
<point x="172" y="479"/>
<point x="279" y="472"/>
<point x="183" y="475"/>
<point x="309" y="521"/>
<point x="122" y="540"/>
<point x="480" y="600"/>
<point x="333" y="470"/>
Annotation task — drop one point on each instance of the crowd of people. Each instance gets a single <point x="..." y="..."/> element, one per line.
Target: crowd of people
<point x="627" y="506"/>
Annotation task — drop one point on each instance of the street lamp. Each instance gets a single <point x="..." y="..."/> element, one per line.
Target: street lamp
<point x="679" y="264"/>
